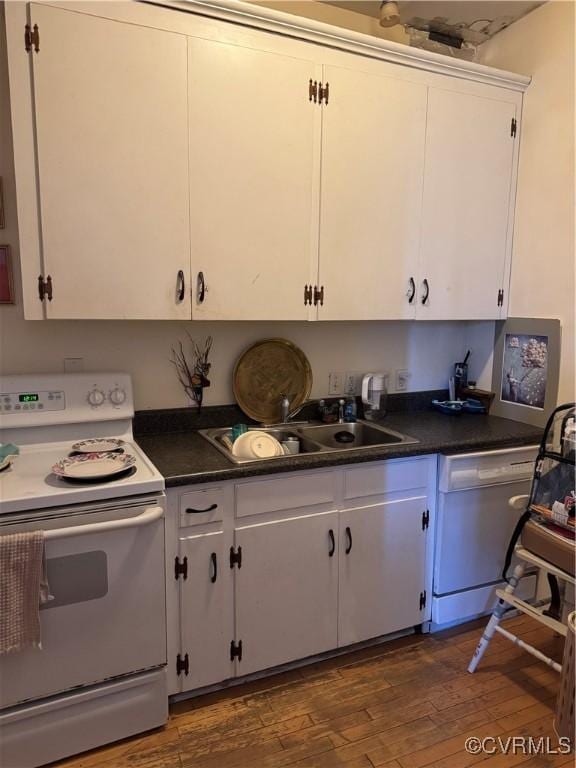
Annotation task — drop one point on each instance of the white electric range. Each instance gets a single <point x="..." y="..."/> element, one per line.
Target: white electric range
<point x="100" y="674"/>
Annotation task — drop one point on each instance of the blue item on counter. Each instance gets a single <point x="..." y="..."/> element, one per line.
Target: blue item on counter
<point x="350" y="412"/>
<point x="453" y="407"/>
<point x="471" y="405"/>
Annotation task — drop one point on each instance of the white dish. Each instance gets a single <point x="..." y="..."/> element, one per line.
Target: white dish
<point x="93" y="465"/>
<point x="98" y="445"/>
<point x="256" y="445"/>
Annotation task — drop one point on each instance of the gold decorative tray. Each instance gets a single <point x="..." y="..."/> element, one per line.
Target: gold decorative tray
<point x="265" y="372"/>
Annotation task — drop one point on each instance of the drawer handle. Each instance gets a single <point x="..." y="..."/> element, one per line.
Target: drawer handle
<point x="214" y="563"/>
<point x="332" y="543"/>
<point x="192" y="511"/>
<point x="349" y="537"/>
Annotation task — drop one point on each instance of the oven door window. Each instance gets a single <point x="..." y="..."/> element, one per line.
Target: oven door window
<point x="77" y="578"/>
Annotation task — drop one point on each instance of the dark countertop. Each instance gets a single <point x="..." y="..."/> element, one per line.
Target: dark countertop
<point x="186" y="458"/>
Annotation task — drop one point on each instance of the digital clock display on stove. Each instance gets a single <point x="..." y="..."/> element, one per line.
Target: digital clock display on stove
<point x="28" y="398"/>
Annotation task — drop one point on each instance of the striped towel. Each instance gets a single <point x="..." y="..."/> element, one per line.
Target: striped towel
<point x="23" y="588"/>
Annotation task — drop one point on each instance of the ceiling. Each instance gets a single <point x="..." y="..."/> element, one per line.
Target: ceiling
<point x="475" y="21"/>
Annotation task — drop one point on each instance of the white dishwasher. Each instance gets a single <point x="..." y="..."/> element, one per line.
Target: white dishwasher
<point x="474" y="527"/>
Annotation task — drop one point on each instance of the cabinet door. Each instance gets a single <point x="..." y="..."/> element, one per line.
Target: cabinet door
<point x="287" y="590"/>
<point x="373" y="136"/>
<point x="383" y="569"/>
<point x="111" y="128"/>
<point x="466" y="214"/>
<point x="254" y="171"/>
<point x="206" y="609"/>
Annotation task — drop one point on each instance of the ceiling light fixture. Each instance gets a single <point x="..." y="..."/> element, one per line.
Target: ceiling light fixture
<point x="389" y="14"/>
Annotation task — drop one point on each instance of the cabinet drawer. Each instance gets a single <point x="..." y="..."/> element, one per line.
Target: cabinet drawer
<point x="281" y="493"/>
<point x="201" y="506"/>
<point x="388" y="477"/>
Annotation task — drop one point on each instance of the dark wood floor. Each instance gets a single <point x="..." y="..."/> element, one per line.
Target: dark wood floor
<point x="405" y="704"/>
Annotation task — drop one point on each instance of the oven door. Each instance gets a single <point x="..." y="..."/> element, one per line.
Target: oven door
<point x="107" y="618"/>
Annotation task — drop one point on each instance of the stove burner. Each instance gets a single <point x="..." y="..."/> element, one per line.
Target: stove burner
<point x="99" y="480"/>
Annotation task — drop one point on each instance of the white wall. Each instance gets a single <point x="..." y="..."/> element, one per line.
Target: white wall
<point x="340" y="17"/>
<point x="542" y="44"/>
<point x="144" y="348"/>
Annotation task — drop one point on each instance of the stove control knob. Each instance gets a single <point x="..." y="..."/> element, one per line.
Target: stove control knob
<point x="117" y="396"/>
<point x="96" y="397"/>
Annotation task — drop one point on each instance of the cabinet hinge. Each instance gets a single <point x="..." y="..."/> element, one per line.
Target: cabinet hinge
<point x="235" y="557"/>
<point x="31" y="38"/>
<point x="513" y="127"/>
<point x="500" y="298"/>
<point x="324" y="93"/>
<point x="422" y="602"/>
<point x="182" y="664"/>
<point x="313" y="90"/>
<point x="307" y="295"/>
<point x="425" y="519"/>
<point x="236" y="650"/>
<point x="319" y="296"/>
<point x="180" y="568"/>
<point x="45" y="288"/>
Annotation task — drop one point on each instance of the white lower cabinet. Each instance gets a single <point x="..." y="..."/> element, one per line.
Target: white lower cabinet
<point x="382" y="569"/>
<point x="206" y="609"/>
<point x="297" y="565"/>
<point x="286" y="591"/>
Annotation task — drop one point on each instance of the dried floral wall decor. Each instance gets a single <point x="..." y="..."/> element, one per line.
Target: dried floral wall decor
<point x="526" y="369"/>
<point x="193" y="370"/>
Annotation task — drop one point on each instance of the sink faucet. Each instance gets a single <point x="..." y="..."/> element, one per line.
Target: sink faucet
<point x="284" y="409"/>
<point x="341" y="404"/>
<point x="285" y="413"/>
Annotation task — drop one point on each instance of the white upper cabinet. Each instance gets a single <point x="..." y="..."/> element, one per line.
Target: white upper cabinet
<point x="174" y="166"/>
<point x="467" y="212"/>
<point x="110" y="106"/>
<point x="373" y="137"/>
<point x="254" y="158"/>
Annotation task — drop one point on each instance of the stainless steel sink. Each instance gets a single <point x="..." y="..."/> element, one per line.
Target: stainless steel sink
<point x="315" y="437"/>
<point x="346" y="437"/>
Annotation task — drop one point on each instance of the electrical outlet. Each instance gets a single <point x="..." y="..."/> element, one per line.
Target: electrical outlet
<point x="73" y="364"/>
<point x="351" y="383"/>
<point x="402" y="378"/>
<point x="335" y="383"/>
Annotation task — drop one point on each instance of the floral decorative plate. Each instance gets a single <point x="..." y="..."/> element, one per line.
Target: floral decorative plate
<point x="93" y="466"/>
<point x="98" y="445"/>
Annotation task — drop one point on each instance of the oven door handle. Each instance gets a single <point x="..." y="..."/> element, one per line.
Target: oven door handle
<point x="149" y="516"/>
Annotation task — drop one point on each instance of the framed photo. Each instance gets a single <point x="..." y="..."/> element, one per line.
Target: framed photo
<point x="2" y="215"/>
<point x="526" y="369"/>
<point x="6" y="284"/>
